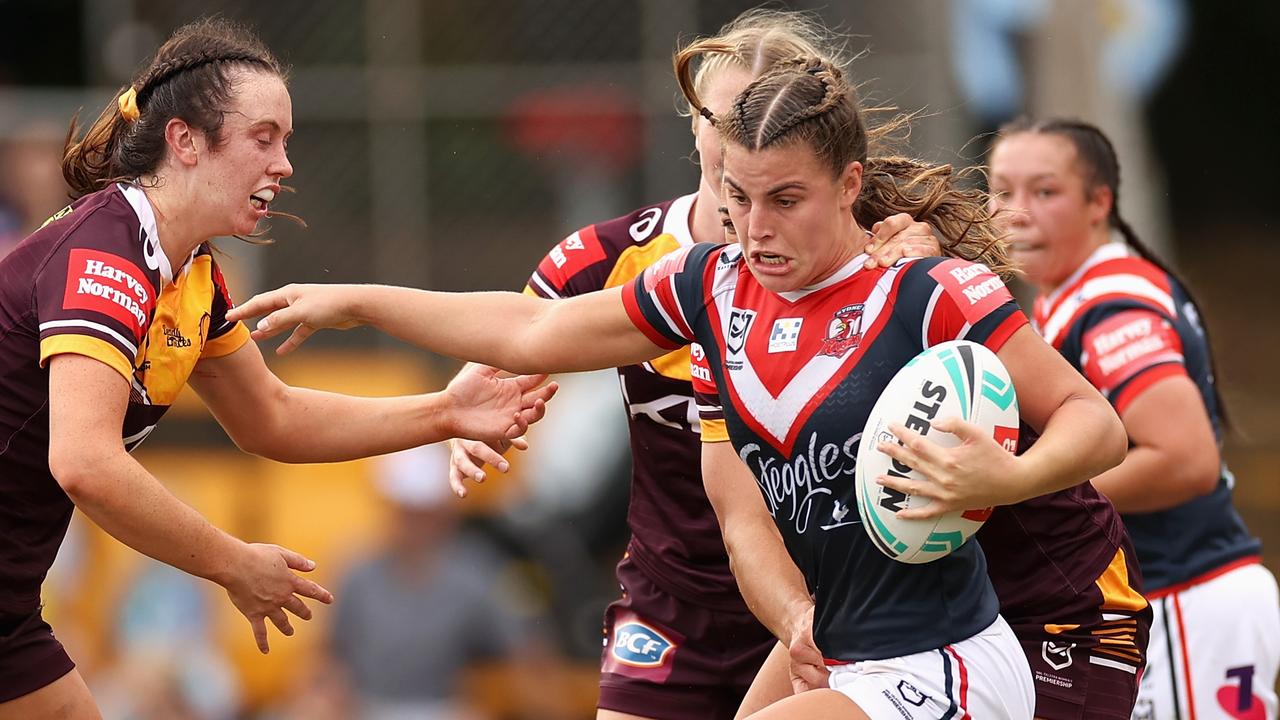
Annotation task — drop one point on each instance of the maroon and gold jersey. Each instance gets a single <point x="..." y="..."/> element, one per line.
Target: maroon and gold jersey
<point x="92" y="281"/>
<point x="675" y="538"/>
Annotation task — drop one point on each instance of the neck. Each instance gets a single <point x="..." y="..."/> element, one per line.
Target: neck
<point x="1097" y="238"/>
<point x="177" y="231"/>
<point x="704" y="216"/>
<point x="847" y="251"/>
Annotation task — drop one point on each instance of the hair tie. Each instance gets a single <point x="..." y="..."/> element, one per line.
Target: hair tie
<point x="705" y="112"/>
<point x="128" y="103"/>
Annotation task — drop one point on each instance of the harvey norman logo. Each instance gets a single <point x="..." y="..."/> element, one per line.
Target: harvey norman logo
<point x="107" y="284"/>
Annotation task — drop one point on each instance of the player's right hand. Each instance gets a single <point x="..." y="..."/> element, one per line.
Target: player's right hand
<point x="808" y="670"/>
<point x="467" y="459"/>
<point x="301" y="308"/>
<point x="263" y="585"/>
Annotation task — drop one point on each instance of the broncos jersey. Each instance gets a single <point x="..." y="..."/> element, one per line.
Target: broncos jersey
<point x="92" y="281"/>
<point x="798" y="374"/>
<point x="675" y="538"/>
<point x="1125" y="324"/>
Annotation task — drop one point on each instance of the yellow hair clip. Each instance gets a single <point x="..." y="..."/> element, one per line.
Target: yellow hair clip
<point x="128" y="103"/>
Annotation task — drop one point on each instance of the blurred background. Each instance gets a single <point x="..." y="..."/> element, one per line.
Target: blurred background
<point x="448" y="144"/>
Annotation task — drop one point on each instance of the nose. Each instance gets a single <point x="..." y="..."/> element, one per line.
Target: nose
<point x="1013" y="206"/>
<point x="759" y="226"/>
<point x="280" y="166"/>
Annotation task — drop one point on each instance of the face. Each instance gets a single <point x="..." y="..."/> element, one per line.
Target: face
<point x="239" y="178"/>
<point x="1054" y="223"/>
<point x="722" y="87"/>
<point x="793" y="219"/>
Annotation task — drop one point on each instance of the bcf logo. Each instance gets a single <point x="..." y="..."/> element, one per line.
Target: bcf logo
<point x="639" y="645"/>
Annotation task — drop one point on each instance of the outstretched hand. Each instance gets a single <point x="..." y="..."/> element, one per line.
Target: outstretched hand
<point x="302" y="308"/>
<point x="263" y="585"/>
<point x="899" y="236"/>
<point x="496" y="410"/>
<point x="978" y="473"/>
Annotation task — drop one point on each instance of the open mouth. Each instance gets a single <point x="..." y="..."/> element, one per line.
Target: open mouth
<point x="262" y="198"/>
<point x="768" y="258"/>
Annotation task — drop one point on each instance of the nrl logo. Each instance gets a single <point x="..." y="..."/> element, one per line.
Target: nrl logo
<point x="739" y="324"/>
<point x="844" y="333"/>
<point x="1057" y="655"/>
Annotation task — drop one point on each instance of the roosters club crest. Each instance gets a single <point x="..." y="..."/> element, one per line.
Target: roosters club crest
<point x="844" y="333"/>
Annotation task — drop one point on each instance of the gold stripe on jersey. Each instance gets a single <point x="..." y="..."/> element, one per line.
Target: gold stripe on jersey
<point x="529" y="291"/>
<point x="227" y="343"/>
<point x="1057" y="629"/>
<point x="714" y="430"/>
<point x="89" y="346"/>
<point x="1117" y="593"/>
<point x="636" y="258"/>
<point x="629" y="265"/>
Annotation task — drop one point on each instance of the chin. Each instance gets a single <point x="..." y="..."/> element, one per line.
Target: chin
<point x="776" y="284"/>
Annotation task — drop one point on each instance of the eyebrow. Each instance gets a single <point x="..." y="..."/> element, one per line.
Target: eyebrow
<point x="268" y="123"/>
<point x="794" y="184"/>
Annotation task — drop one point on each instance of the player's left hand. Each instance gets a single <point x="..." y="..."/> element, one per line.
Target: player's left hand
<point x="808" y="670"/>
<point x="496" y="410"/>
<point x="899" y="236"/>
<point x="978" y="473"/>
<point x="301" y="308"/>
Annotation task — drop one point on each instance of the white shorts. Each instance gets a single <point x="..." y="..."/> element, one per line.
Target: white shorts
<point x="985" y="676"/>
<point x="1214" y="651"/>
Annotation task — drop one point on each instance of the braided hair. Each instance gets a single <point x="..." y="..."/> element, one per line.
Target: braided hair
<point x="189" y="78"/>
<point x="1100" y="167"/>
<point x="808" y="100"/>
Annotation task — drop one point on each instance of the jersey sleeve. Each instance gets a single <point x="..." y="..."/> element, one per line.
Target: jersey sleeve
<point x="963" y="301"/>
<point x="666" y="299"/>
<point x="1126" y="349"/>
<point x="706" y="396"/>
<point x="95" y="303"/>
<point x="224" y="337"/>
<point x="574" y="266"/>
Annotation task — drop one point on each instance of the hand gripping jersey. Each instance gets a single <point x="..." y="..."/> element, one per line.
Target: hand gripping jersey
<point x="798" y="373"/>
<point x="675" y="537"/>
<point x="1125" y="324"/>
<point x="92" y="281"/>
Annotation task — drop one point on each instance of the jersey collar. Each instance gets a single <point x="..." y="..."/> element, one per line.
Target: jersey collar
<point x="150" y="235"/>
<point x="676" y="222"/>
<point x="845" y="272"/>
<point x="1113" y="250"/>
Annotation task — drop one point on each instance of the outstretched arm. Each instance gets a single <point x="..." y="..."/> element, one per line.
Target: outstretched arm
<point x="266" y="417"/>
<point x="516" y="332"/>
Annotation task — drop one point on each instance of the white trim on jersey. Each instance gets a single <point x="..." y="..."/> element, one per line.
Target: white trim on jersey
<point x="676" y="221"/>
<point x="778" y="414"/>
<point x="1113" y="664"/>
<point x="544" y="287"/>
<point x="1110" y="251"/>
<point x="928" y="317"/>
<point x="1126" y="283"/>
<point x="672" y="325"/>
<point x="92" y="326"/>
<point x="840" y="275"/>
<point x="152" y="252"/>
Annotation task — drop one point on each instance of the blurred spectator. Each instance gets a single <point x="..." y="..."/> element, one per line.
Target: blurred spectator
<point x="414" y="616"/>
<point x="31" y="185"/>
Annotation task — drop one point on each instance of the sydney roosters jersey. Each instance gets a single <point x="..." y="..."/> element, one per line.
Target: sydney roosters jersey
<point x="1125" y="324"/>
<point x="798" y="374"/>
<point x="675" y="537"/>
<point x="92" y="281"/>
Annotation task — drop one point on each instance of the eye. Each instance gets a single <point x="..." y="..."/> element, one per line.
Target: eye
<point x="1046" y="192"/>
<point x="786" y="202"/>
<point x="738" y="198"/>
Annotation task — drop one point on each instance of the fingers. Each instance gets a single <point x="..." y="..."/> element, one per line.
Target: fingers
<point x="299" y="336"/>
<point x="260" y="634"/>
<point x="295" y="605"/>
<point x="281" y="621"/>
<point x="296" y="561"/>
<point x="531" y="415"/>
<point x="311" y="589"/>
<point x="529" y="382"/>
<point x="966" y="431"/>
<point x="519" y="443"/>
<point x="258" y="305"/>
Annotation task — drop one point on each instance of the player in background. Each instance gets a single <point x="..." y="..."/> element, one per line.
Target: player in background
<point x="108" y="310"/>
<point x="794" y="153"/>
<point x="677" y="590"/>
<point x="1130" y="326"/>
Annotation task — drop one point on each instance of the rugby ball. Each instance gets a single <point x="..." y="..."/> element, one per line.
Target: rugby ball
<point x="954" y="379"/>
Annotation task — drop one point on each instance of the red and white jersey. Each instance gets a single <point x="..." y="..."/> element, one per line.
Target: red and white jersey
<point x="1125" y="324"/>
<point x="797" y="375"/>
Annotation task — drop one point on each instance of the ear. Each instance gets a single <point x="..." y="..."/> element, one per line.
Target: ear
<point x="184" y="141"/>
<point x="1100" y="201"/>
<point x="850" y="182"/>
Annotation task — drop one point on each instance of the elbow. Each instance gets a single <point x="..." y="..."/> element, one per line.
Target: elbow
<point x="1115" y="444"/>
<point x="1201" y="473"/>
<point x="75" y="471"/>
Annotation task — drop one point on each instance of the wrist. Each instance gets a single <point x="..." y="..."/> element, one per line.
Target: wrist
<point x="799" y="620"/>
<point x="226" y="556"/>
